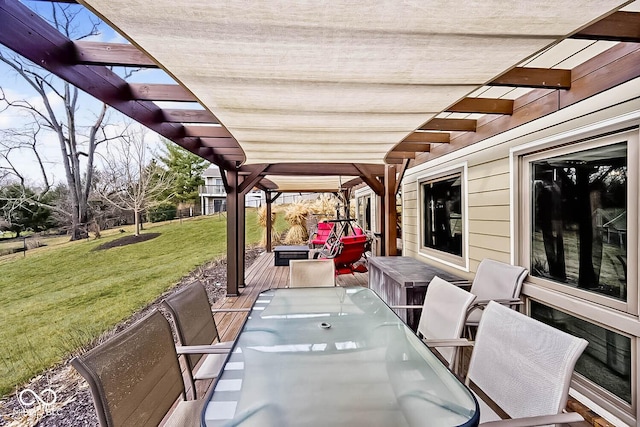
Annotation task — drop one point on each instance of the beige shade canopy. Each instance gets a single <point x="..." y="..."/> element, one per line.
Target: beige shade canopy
<point x="305" y="81"/>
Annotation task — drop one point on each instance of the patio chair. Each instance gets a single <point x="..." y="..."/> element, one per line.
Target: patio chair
<point x="135" y="377"/>
<point x="196" y="326"/>
<point x="521" y="368"/>
<point x="443" y="316"/>
<point x="319" y="236"/>
<point x="311" y="273"/>
<point x="495" y="281"/>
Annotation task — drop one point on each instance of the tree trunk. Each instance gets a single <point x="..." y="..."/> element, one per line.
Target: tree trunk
<point x="589" y="245"/>
<point x="136" y="216"/>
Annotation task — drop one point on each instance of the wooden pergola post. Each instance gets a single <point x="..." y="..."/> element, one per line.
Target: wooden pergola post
<point x="233" y="243"/>
<point x="390" y="211"/>
<point x="267" y="196"/>
<point x="270" y="199"/>
<point x="237" y="187"/>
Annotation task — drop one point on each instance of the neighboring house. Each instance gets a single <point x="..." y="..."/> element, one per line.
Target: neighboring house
<point x="213" y="198"/>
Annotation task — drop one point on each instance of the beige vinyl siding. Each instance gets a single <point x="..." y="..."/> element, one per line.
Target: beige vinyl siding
<point x="410" y="225"/>
<point x="488" y="183"/>
<point x="495" y="228"/>
<point x="486" y="241"/>
<point x="489" y="198"/>
<point x="494" y="167"/>
<point x="489" y="211"/>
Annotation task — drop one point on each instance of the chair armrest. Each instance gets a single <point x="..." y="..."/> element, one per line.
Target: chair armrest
<point x="461" y="283"/>
<point x="401" y="307"/>
<point x="230" y="310"/>
<point x="541" y="420"/>
<point x="505" y="301"/>
<point x="203" y="349"/>
<point x="454" y="342"/>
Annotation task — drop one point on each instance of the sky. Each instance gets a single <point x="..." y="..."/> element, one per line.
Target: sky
<point x="16" y="89"/>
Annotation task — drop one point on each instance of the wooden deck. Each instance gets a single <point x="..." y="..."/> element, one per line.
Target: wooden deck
<point x="260" y="276"/>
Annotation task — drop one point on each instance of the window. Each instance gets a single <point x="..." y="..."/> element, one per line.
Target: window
<point x="606" y="360"/>
<point x="364" y="212"/>
<point x="443" y="222"/>
<point x="579" y="220"/>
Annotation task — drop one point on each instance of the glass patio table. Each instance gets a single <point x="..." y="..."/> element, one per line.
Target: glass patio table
<point x="333" y="357"/>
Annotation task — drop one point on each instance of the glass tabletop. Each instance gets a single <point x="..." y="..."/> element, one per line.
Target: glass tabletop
<point x="333" y="356"/>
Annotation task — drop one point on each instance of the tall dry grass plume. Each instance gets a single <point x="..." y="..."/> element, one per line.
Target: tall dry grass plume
<point x="262" y="222"/>
<point x="324" y="207"/>
<point x="296" y="216"/>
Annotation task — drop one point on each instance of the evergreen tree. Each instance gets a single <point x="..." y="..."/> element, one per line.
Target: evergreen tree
<point x="186" y="169"/>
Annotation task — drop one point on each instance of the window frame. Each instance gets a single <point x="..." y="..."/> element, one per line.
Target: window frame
<point x="621" y="317"/>
<point x="631" y="304"/>
<point x="458" y="262"/>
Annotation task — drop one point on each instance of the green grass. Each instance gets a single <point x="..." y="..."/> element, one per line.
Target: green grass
<point x="57" y="299"/>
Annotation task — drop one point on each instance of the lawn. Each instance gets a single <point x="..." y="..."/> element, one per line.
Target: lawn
<point x="57" y="299"/>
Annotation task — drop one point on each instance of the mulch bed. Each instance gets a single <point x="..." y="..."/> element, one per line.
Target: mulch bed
<point x="126" y="240"/>
<point x="74" y="405"/>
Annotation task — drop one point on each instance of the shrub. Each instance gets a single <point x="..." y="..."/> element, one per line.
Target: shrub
<point x="162" y="212"/>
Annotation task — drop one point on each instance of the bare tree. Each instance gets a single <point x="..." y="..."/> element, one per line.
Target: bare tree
<point x="130" y="181"/>
<point x="56" y="110"/>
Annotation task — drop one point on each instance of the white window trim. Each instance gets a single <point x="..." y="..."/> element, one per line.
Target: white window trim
<point x="581" y="143"/>
<point x="625" y="323"/>
<point x="432" y="254"/>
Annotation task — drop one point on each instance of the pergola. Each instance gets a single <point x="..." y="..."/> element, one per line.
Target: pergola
<point x="316" y="96"/>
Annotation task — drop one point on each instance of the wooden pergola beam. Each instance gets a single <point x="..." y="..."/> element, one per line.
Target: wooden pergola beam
<point x="160" y="92"/>
<point x="250" y="181"/>
<point x="451" y="125"/>
<point x="619" y="26"/>
<point x="413" y="146"/>
<point x="189" y="116"/>
<point x="219" y="142"/>
<point x="370" y="179"/>
<point x="223" y="151"/>
<point x="111" y="54"/>
<point x="483" y="106"/>
<point x="321" y="169"/>
<point x="428" y="137"/>
<point x="401" y="171"/>
<point x="542" y="78"/>
<point x="206" y="131"/>
<point x="401" y="154"/>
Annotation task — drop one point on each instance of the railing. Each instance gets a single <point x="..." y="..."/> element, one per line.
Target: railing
<point x="212" y="190"/>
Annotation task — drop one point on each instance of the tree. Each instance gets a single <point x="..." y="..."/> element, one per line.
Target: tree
<point x="186" y="170"/>
<point x="20" y="211"/>
<point x="56" y="110"/>
<point x="130" y="181"/>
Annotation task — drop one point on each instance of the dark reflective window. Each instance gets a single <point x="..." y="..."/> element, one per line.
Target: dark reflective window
<point x="443" y="225"/>
<point x="579" y="220"/>
<point x="606" y="360"/>
<point x="364" y="212"/>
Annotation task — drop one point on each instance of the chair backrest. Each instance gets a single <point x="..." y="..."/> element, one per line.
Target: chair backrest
<point x="311" y="273"/>
<point x="193" y="318"/>
<point x="443" y="314"/>
<point x="135" y="375"/>
<point x="352" y="249"/>
<point x="523" y="365"/>
<point x="323" y="231"/>
<point x="496" y="280"/>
